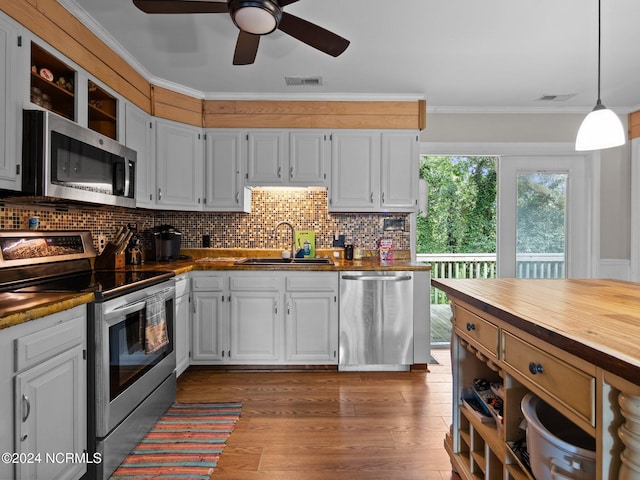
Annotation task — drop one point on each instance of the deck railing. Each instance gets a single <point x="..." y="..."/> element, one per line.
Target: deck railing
<point x="483" y="265"/>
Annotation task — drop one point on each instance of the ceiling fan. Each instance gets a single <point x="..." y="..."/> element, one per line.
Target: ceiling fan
<point x="254" y="18"/>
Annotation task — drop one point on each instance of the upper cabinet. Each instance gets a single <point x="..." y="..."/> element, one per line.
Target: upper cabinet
<point x="52" y="83"/>
<point x="224" y="172"/>
<point x="374" y="171"/>
<point x="58" y="87"/>
<point x="139" y="137"/>
<point x="10" y="106"/>
<point x="286" y="157"/>
<point x="102" y="111"/>
<point x="179" y="166"/>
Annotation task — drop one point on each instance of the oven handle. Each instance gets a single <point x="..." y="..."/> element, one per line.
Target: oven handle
<point x="125" y="310"/>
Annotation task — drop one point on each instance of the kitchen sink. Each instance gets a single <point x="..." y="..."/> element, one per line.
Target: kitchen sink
<point x="294" y="262"/>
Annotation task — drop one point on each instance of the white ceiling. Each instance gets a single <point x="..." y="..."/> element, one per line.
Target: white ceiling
<point x="460" y="55"/>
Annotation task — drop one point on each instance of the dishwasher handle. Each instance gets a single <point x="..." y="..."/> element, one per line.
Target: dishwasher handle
<point x="378" y="278"/>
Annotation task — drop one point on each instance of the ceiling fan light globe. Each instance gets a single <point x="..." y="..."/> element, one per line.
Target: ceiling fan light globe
<point x="600" y="129"/>
<point x="256" y="17"/>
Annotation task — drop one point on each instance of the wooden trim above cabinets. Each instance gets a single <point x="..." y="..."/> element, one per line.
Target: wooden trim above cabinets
<point x="64" y="32"/>
<point x="408" y="115"/>
<point x="176" y="106"/>
<point x="634" y="125"/>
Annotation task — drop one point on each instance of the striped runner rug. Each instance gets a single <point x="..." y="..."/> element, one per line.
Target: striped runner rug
<point x="185" y="443"/>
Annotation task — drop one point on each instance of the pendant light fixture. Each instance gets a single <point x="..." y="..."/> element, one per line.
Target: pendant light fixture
<point x="601" y="128"/>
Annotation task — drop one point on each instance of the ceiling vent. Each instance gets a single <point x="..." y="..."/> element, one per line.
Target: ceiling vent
<point x="303" y="81"/>
<point x="556" y="98"/>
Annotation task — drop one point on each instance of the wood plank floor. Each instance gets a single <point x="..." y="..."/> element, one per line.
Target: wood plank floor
<point x="332" y="425"/>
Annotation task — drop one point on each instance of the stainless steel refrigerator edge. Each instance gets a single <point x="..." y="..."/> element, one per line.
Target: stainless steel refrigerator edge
<point x="376" y="320"/>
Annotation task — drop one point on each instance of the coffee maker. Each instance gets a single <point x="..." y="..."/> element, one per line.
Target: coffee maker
<point x="166" y="243"/>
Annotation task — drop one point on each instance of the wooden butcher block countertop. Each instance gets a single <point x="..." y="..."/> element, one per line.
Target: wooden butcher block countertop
<point x="597" y="320"/>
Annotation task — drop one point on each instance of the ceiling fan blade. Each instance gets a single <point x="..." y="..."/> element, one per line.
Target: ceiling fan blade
<point x="180" y="6"/>
<point x="284" y="3"/>
<point x="313" y="35"/>
<point x="246" y="48"/>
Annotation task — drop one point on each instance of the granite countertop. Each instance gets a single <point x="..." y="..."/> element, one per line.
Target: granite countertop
<point x="18" y="308"/>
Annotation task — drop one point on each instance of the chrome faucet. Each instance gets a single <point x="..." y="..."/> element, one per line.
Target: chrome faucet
<point x="293" y="236"/>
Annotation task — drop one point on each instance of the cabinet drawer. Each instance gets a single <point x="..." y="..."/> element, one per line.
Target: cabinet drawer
<point x="315" y="282"/>
<point x="478" y="329"/>
<point x="39" y="346"/>
<point x="266" y="283"/>
<point x="207" y="284"/>
<point x="573" y="388"/>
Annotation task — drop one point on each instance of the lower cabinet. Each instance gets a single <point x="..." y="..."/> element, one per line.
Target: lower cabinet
<point x="264" y="318"/>
<point x="49" y="397"/>
<point x="182" y="323"/>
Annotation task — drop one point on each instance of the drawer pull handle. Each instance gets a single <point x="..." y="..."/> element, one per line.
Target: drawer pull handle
<point x="471" y="326"/>
<point x="535" y="368"/>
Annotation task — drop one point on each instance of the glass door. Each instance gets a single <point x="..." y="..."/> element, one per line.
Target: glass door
<point x="544" y="217"/>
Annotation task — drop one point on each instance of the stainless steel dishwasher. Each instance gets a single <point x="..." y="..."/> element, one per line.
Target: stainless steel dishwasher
<point x="376" y="320"/>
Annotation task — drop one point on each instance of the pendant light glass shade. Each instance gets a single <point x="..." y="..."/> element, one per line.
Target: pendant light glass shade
<point x="600" y="129"/>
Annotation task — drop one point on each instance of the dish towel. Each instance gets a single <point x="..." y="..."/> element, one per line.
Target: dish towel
<point x="155" y="329"/>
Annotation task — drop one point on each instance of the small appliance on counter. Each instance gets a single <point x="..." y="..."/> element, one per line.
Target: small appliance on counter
<point x="166" y="243"/>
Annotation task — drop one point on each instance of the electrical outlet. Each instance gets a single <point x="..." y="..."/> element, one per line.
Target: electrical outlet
<point x="102" y="242"/>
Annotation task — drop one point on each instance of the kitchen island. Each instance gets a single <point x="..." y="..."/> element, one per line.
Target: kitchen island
<point x="573" y="343"/>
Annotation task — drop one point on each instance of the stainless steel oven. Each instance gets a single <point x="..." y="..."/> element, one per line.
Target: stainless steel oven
<point x="130" y="334"/>
<point x="134" y="378"/>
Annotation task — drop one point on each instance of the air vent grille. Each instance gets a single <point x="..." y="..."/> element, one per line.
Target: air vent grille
<point x="556" y="98"/>
<point x="303" y="81"/>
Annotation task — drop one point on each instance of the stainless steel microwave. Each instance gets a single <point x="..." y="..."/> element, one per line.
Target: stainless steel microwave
<point x="65" y="160"/>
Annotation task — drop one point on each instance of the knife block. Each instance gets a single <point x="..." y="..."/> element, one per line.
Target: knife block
<point x="109" y="259"/>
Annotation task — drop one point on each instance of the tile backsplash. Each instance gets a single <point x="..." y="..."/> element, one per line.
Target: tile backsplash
<point x="305" y="209"/>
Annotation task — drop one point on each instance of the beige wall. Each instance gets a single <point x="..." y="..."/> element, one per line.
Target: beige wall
<point x="615" y="179"/>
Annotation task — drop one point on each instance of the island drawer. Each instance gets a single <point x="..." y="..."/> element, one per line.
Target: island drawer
<point x="477" y="329"/>
<point x="571" y="387"/>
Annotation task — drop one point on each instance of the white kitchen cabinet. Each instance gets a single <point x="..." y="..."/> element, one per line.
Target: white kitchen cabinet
<point x="210" y="326"/>
<point x="311" y="323"/>
<point x="182" y="340"/>
<point x="179" y="166"/>
<point x="287" y="157"/>
<point x="225" y="171"/>
<point x="10" y="105"/>
<point x="399" y="170"/>
<point x="265" y="318"/>
<point x="266" y="157"/>
<point x="139" y="137"/>
<point x="308" y="158"/>
<point x="46" y="363"/>
<point x="355" y="166"/>
<point x="374" y="171"/>
<point x="256" y="317"/>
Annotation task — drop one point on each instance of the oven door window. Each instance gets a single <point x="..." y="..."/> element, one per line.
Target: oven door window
<point x="128" y="358"/>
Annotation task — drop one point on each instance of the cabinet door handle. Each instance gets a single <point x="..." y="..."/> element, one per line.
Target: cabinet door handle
<point x="371" y="198"/>
<point x="159" y="194"/>
<point x="275" y="307"/>
<point x="382" y="197"/>
<point x="237" y="197"/>
<point x="279" y="172"/>
<point x="471" y="326"/>
<point x="26" y="407"/>
<point x="535" y="368"/>
<point x="290" y="172"/>
<point x="288" y="308"/>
